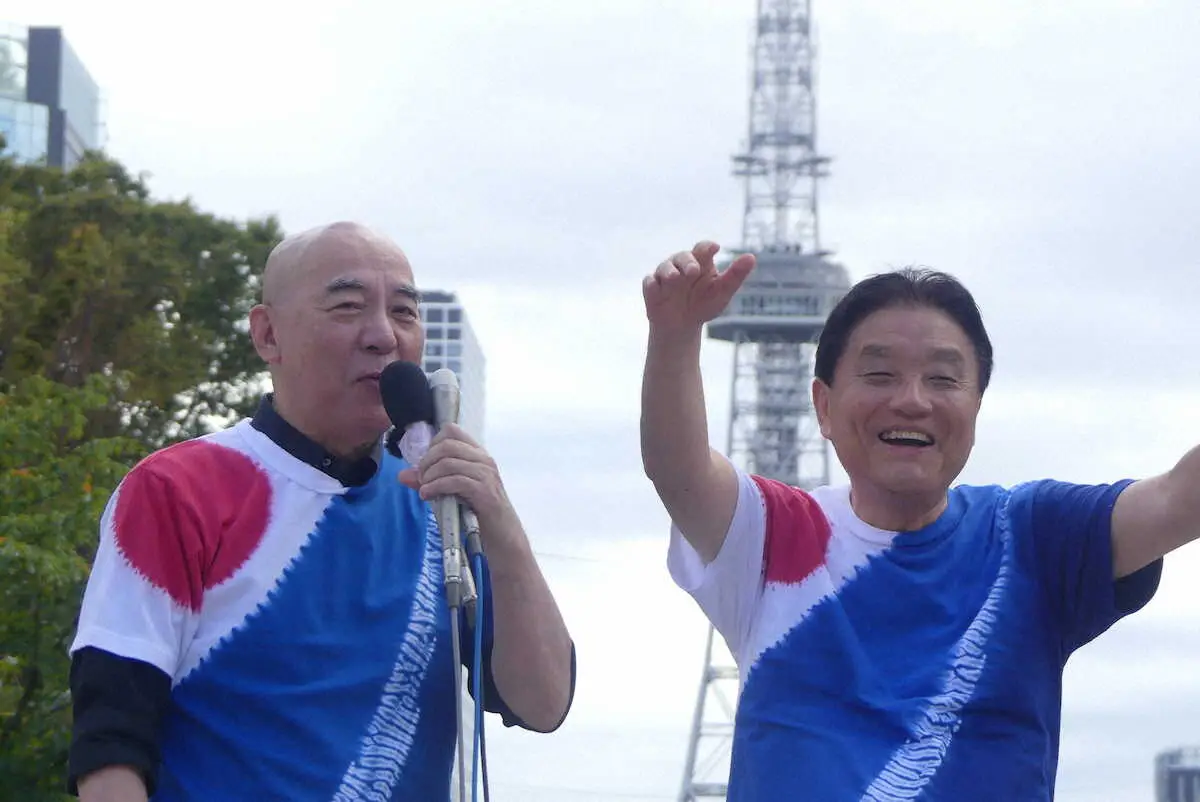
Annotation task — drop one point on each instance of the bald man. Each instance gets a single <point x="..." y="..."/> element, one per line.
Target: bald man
<point x="265" y="617"/>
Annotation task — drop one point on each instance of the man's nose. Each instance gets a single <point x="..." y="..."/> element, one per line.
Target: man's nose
<point x="911" y="397"/>
<point x="378" y="333"/>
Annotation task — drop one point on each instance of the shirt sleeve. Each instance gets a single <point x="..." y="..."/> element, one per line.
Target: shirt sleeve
<point x="1072" y="538"/>
<point x="118" y="706"/>
<point x="138" y="613"/>
<point x="492" y="701"/>
<point x="147" y="579"/>
<point x="728" y="588"/>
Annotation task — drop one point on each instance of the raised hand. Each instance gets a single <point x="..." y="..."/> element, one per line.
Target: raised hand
<point x="698" y="487"/>
<point x="687" y="291"/>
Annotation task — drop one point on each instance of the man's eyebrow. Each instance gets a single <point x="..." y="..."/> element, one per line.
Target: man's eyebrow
<point x="949" y="355"/>
<point x="347" y="283"/>
<point x="944" y="355"/>
<point x="343" y="283"/>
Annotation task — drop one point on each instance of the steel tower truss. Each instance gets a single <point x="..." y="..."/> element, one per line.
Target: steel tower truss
<point x="773" y="323"/>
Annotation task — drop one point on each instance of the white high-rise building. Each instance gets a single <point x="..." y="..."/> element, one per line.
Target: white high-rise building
<point x="451" y="343"/>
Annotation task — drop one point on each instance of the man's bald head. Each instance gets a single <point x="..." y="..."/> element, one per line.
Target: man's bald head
<point x="298" y="255"/>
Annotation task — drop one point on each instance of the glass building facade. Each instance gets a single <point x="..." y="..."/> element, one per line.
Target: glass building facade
<point x="49" y="104"/>
<point x="450" y="343"/>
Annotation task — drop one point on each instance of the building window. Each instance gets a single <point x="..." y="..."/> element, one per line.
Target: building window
<point x="454" y="365"/>
<point x="25" y="127"/>
<point x="433" y="349"/>
<point x="432" y="364"/>
<point x="80" y="100"/>
<point x="454" y="349"/>
<point x="453" y="333"/>
<point x="14" y="57"/>
<point x="455" y="315"/>
<point x="434" y="332"/>
<point x="434" y="315"/>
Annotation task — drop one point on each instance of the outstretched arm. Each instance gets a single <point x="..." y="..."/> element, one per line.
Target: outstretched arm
<point x="1155" y="516"/>
<point x="697" y="486"/>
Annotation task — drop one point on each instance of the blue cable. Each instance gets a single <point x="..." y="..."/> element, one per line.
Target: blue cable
<point x="478" y="679"/>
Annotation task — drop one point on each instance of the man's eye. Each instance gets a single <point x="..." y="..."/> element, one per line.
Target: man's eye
<point x="404" y="311"/>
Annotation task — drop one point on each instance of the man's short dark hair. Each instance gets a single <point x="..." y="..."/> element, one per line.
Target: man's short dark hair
<point x="906" y="287"/>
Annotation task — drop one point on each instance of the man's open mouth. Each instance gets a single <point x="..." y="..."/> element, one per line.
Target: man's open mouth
<point x="906" y="437"/>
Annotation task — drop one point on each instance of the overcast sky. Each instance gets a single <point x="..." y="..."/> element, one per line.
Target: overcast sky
<point x="540" y="158"/>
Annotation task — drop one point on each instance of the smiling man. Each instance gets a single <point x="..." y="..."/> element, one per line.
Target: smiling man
<point x="265" y="617"/>
<point x="901" y="638"/>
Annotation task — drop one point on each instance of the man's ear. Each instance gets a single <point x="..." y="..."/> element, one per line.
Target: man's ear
<point x="820" y="395"/>
<point x="262" y="332"/>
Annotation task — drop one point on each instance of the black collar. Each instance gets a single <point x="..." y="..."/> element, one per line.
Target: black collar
<point x="293" y="441"/>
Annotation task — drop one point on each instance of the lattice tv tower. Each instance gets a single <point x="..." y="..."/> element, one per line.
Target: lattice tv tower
<point x="773" y="323"/>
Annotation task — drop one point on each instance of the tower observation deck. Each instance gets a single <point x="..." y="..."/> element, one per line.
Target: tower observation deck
<point x="773" y="323"/>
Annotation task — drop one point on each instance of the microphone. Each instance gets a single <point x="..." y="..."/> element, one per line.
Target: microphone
<point x="410" y="397"/>
<point x="443" y="386"/>
<point x="407" y="399"/>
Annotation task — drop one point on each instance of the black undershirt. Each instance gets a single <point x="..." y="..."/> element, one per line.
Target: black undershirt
<point x="351" y="473"/>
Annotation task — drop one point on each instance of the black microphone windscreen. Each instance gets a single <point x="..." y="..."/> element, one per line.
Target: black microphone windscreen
<point x="406" y="394"/>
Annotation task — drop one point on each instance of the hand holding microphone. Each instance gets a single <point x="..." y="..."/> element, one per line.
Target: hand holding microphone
<point x="453" y="469"/>
<point x="454" y="465"/>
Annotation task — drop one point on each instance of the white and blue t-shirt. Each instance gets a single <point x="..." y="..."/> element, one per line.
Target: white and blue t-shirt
<point x="302" y="622"/>
<point x="923" y="665"/>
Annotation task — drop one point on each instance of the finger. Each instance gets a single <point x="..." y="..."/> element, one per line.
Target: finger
<point x="453" y="448"/>
<point x="451" y="441"/>
<point x="450" y="450"/>
<point x="668" y="276"/>
<point x="462" y="435"/>
<point x="733" y="276"/>
<point x="686" y="264"/>
<point x="456" y="466"/>
<point x="452" y="431"/>
<point x="466" y="488"/>
<point x="408" y="477"/>
<point x="651" y="291"/>
<point x="705" y="251"/>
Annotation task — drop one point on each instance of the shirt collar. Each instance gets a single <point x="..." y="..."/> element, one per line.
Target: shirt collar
<point x="349" y="472"/>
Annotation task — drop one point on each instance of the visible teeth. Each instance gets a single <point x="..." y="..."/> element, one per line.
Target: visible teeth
<point x="901" y="434"/>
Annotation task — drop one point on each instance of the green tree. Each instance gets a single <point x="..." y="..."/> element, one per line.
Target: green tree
<point x="54" y="483"/>
<point x="96" y="277"/>
<point x="122" y="329"/>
